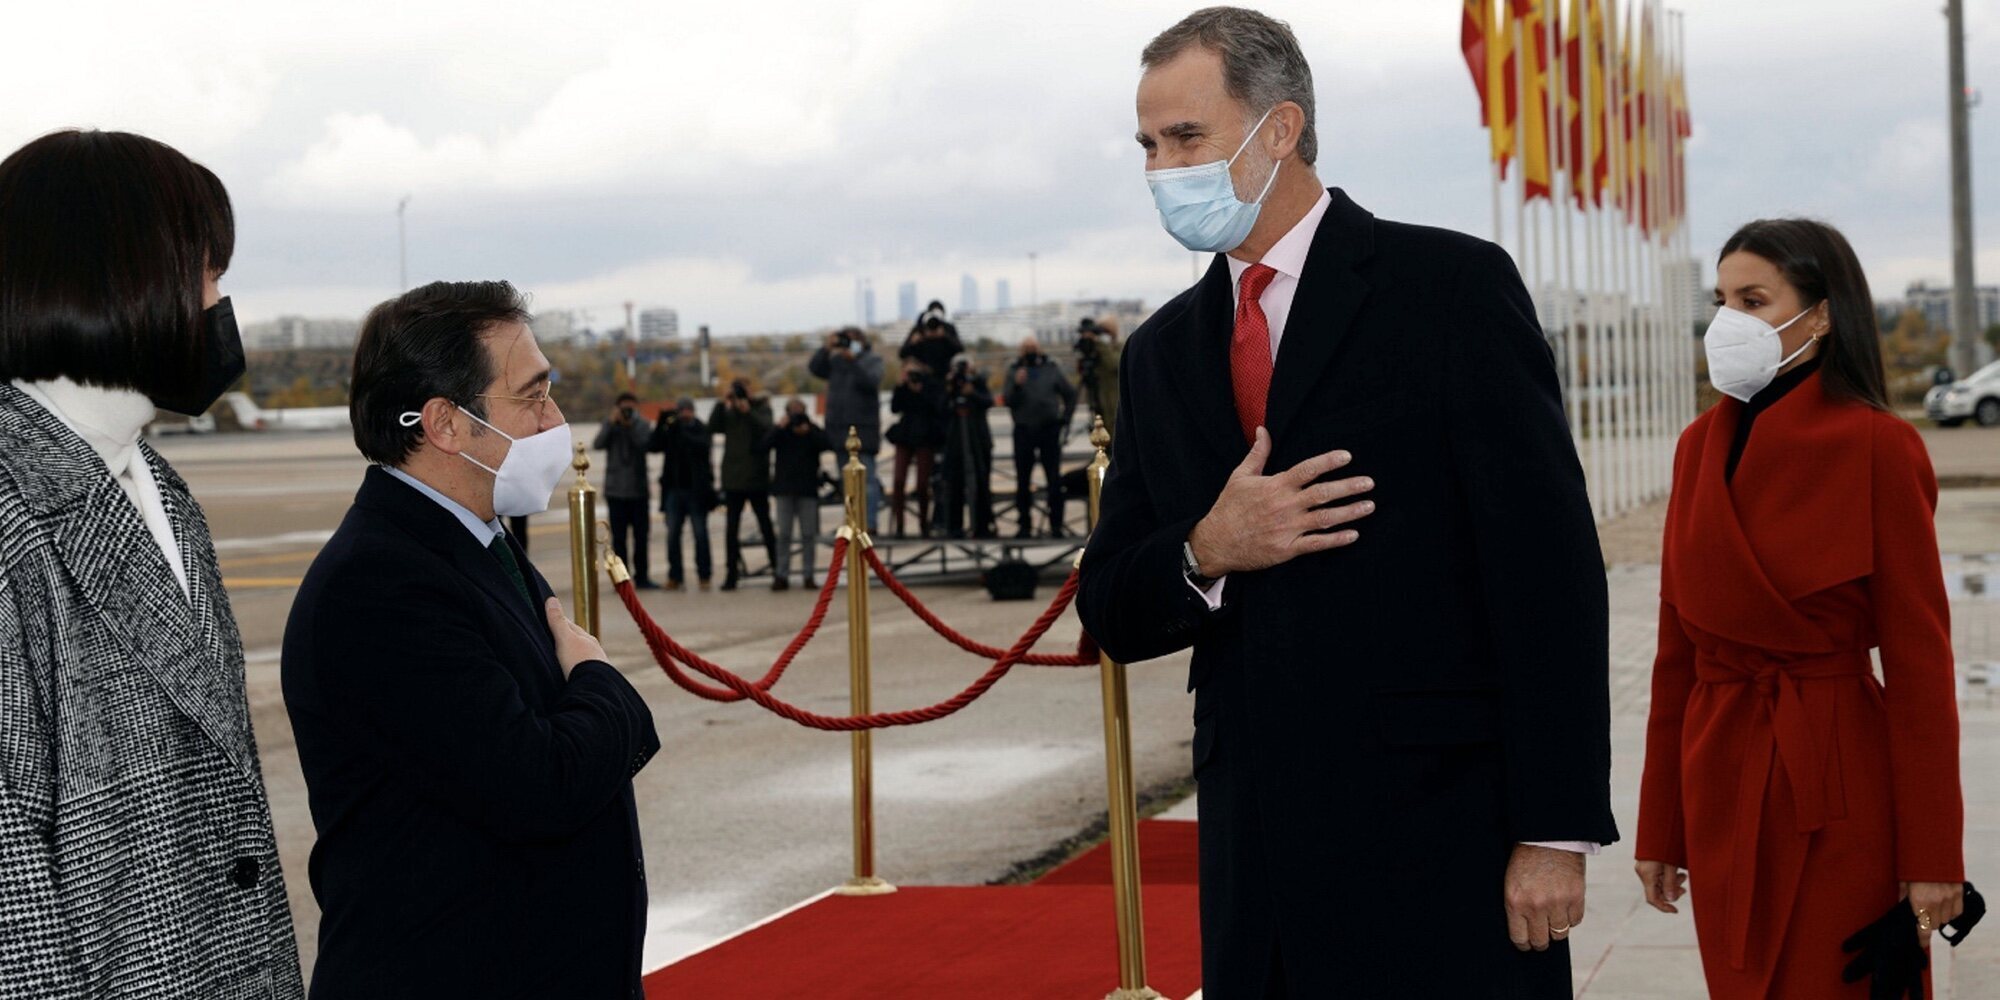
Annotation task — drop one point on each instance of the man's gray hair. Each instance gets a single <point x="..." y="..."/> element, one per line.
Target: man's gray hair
<point x="1262" y="64"/>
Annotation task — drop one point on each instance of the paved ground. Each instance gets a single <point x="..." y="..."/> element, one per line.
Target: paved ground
<point x="745" y="814"/>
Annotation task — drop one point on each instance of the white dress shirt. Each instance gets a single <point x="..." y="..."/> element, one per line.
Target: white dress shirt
<point x="110" y="421"/>
<point x="483" y="532"/>
<point x="1288" y="258"/>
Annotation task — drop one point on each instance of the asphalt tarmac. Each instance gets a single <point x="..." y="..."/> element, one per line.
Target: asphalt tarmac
<point x="743" y="813"/>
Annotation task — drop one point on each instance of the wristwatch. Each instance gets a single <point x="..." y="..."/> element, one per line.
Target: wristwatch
<point x="1191" y="568"/>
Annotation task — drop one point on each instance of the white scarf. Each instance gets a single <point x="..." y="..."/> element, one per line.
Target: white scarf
<point x="110" y="421"/>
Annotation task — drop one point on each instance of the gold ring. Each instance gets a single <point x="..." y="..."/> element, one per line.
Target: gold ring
<point x="1564" y="929"/>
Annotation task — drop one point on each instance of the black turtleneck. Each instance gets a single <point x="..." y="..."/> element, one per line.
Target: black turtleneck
<point x="1762" y="401"/>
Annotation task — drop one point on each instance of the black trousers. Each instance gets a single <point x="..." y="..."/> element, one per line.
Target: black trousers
<point x="760" y="505"/>
<point x="1041" y="445"/>
<point x="631" y="518"/>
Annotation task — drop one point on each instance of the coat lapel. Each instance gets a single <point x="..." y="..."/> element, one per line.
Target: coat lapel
<point x="121" y="574"/>
<point x="1330" y="293"/>
<point x="442" y="532"/>
<point x="1745" y="552"/>
<point x="1197" y="351"/>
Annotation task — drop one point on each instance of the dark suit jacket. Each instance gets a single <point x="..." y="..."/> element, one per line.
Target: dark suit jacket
<point x="477" y="833"/>
<point x="1375" y="726"/>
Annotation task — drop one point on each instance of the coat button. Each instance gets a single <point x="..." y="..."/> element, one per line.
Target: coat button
<point x="246" y="873"/>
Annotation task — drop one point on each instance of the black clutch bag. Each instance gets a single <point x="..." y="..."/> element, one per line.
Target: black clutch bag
<point x="1886" y="952"/>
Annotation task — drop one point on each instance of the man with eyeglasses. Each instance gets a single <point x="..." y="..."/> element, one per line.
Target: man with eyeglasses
<point x="468" y="751"/>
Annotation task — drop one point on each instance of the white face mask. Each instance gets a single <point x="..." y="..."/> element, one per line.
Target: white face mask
<point x="1198" y="205"/>
<point x="1745" y="353"/>
<point x="530" y="473"/>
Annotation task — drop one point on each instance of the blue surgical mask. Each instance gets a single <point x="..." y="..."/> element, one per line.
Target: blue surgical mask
<point x="1198" y="204"/>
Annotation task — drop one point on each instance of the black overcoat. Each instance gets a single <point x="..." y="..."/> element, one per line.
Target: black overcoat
<point x="1375" y="726"/>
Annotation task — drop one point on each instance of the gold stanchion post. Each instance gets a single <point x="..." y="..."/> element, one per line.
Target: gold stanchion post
<point x="1124" y="804"/>
<point x="855" y="492"/>
<point x="583" y="544"/>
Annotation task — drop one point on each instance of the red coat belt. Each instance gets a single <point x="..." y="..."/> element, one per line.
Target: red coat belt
<point x="1801" y="744"/>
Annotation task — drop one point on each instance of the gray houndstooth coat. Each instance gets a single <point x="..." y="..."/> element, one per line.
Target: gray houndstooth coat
<point x="137" y="857"/>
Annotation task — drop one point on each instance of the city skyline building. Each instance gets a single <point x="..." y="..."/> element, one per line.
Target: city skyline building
<point x="659" y="325"/>
<point x="1934" y="302"/>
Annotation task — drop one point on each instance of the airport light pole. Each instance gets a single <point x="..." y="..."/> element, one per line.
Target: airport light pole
<point x="1964" y="313"/>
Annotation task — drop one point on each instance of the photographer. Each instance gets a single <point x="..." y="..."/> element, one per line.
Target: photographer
<point x="919" y="398"/>
<point x="1097" y="367"/>
<point x="853" y="375"/>
<point x="795" y="446"/>
<point x="933" y="341"/>
<point x="623" y="438"/>
<point x="968" y="453"/>
<point x="687" y="486"/>
<point x="743" y="421"/>
<point x="1042" y="401"/>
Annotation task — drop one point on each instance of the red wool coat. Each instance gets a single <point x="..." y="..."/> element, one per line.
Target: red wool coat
<point x="1795" y="788"/>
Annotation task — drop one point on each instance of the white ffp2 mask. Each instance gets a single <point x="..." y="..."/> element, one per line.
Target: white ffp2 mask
<point x="530" y="473"/>
<point x="1745" y="353"/>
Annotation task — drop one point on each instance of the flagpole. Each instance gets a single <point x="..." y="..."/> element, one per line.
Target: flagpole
<point x="1521" y="232"/>
<point x="1551" y="277"/>
<point x="1687" y="237"/>
<point x="1661" y="209"/>
<point x="1649" y="258"/>
<point x="1628" y="318"/>
<point x="1559" y="60"/>
<point x="1593" y="304"/>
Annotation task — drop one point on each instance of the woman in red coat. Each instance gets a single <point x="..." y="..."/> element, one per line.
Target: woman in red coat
<point x="1801" y="796"/>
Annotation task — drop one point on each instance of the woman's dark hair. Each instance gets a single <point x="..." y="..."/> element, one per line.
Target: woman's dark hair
<point x="104" y="241"/>
<point x="1817" y="260"/>
<point x="425" y="344"/>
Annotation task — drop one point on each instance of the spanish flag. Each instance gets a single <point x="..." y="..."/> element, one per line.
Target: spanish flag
<point x="1647" y="91"/>
<point x="1599" y="102"/>
<point x="1628" y="125"/>
<point x="1577" y="159"/>
<point x="1485" y="38"/>
<point x="1536" y="163"/>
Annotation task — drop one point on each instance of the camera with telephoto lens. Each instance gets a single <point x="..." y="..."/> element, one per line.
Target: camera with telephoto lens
<point x="843" y="342"/>
<point x="737" y="390"/>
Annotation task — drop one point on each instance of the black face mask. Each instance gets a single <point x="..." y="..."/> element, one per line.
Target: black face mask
<point x="221" y="363"/>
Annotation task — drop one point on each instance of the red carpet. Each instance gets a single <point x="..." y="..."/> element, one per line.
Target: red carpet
<point x="1166" y="857"/>
<point x="1052" y="939"/>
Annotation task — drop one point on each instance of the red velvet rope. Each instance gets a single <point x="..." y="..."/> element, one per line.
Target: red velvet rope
<point x="1086" y="654"/>
<point x="667" y="650"/>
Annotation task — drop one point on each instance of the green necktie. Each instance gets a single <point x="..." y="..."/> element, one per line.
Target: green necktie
<point x="505" y="553"/>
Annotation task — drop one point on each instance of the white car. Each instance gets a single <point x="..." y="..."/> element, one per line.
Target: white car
<point x="1976" y="396"/>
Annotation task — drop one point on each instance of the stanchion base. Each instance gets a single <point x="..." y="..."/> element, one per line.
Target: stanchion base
<point x="870" y="886"/>
<point x="1142" y="993"/>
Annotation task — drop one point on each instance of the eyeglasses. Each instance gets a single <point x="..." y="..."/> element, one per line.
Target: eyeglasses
<point x="539" y="402"/>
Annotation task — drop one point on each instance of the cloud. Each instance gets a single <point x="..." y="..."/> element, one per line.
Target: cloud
<point x="746" y="163"/>
<point x="1917" y="151"/>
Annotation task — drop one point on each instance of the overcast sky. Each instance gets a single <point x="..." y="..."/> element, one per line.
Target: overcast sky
<point x="746" y="162"/>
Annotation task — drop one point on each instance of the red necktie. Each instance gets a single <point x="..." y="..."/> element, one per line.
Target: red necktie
<point x="1250" y="351"/>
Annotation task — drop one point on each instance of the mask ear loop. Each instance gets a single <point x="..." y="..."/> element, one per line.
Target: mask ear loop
<point x="1810" y="341"/>
<point x="1275" y="164"/>
<point x="411" y="418"/>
